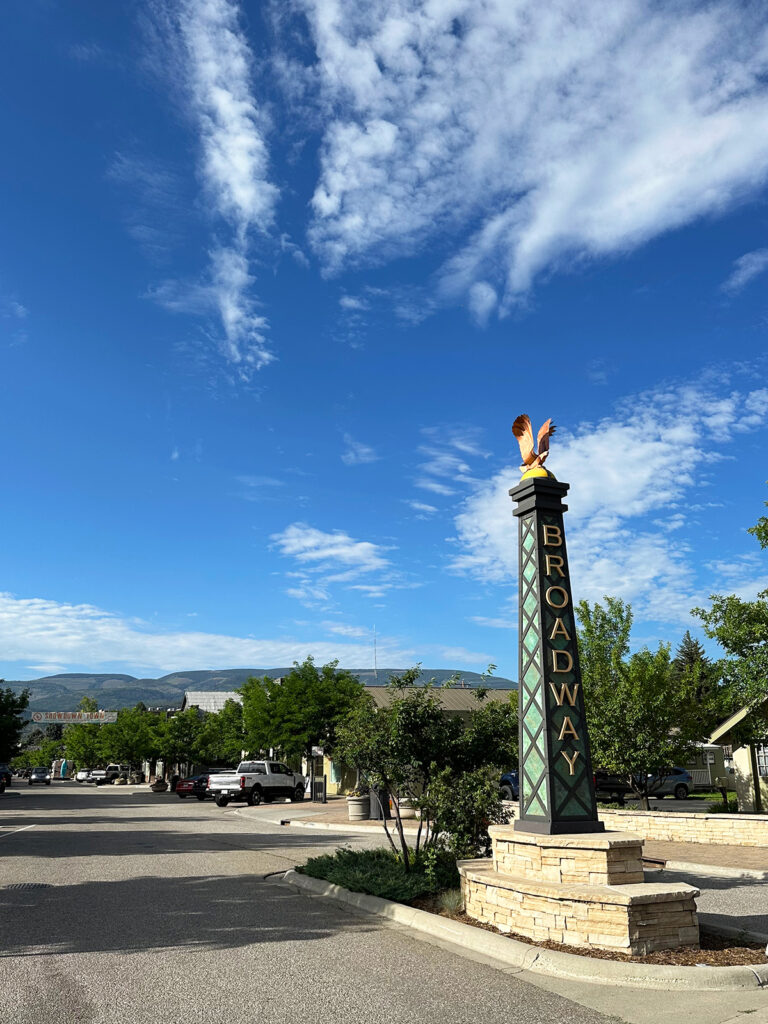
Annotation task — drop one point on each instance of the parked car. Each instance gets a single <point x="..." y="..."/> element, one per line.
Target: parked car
<point x="675" y="782"/>
<point x="6" y="774"/>
<point x="509" y="786"/>
<point x="194" y="785"/>
<point x="254" y="781"/>
<point x="611" y="787"/>
<point x="40" y="774"/>
<point x="104" y="776"/>
<point x="82" y="775"/>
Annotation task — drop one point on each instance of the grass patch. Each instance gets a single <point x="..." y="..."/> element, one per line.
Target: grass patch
<point x="381" y="873"/>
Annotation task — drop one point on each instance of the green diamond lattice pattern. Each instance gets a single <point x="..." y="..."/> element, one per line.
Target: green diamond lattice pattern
<point x="533" y="752"/>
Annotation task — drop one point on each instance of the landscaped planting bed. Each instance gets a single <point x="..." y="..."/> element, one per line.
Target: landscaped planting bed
<point x="434" y="888"/>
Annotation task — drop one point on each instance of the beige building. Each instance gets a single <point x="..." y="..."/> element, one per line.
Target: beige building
<point x="750" y="761"/>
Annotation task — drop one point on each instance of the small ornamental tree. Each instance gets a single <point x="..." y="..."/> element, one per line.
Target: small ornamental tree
<point x="447" y="766"/>
<point x="12" y="707"/>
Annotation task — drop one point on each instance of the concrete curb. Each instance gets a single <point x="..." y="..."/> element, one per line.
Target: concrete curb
<point x="519" y="955"/>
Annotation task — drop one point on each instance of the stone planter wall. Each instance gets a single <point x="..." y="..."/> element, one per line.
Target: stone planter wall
<point x="600" y="859"/>
<point x="676" y="827"/>
<point x="628" y="918"/>
<point x="680" y="827"/>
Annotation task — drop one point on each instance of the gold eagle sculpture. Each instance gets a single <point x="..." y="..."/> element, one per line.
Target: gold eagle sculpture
<point x="533" y="460"/>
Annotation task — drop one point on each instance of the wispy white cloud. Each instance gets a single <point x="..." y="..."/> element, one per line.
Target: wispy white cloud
<point x="52" y="636"/>
<point x="344" y="629"/>
<point x="356" y="453"/>
<point x="214" y="64"/>
<point x="306" y="544"/>
<point x="327" y="560"/>
<point x="562" y="132"/>
<point x="354" y="302"/>
<point x="12" y="309"/>
<point x="462" y="656"/>
<point x="445" y="451"/>
<point x="745" y="269"/>
<point x="424" y="511"/>
<point x="235" y="164"/>
<point x="643" y="461"/>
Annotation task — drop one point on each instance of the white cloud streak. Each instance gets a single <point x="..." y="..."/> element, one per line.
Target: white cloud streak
<point x="215" y="67"/>
<point x="53" y="636"/>
<point x="532" y="133"/>
<point x="745" y="269"/>
<point x="356" y="453"/>
<point x="232" y="128"/>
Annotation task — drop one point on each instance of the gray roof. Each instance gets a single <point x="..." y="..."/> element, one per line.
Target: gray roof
<point x="453" y="698"/>
<point x="209" y="700"/>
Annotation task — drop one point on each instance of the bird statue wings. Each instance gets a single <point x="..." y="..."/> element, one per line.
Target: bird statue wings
<point x="523" y="431"/>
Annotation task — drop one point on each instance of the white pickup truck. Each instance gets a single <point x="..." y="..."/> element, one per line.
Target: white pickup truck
<point x="254" y="781"/>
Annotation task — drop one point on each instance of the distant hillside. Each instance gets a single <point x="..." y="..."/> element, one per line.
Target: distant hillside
<point x="64" y="692"/>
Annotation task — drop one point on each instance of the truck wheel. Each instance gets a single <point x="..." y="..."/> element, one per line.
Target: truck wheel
<point x="221" y="801"/>
<point x="506" y="793"/>
<point x="681" y="792"/>
<point x="254" y="797"/>
<point x="298" y="795"/>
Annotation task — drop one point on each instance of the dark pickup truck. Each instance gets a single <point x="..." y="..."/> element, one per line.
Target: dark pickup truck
<point x="611" y="787"/>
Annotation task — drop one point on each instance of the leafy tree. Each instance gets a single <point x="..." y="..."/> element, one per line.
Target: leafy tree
<point x="128" y="740"/>
<point x="411" y="749"/>
<point x="175" y="739"/>
<point x="643" y="714"/>
<point x="741" y="629"/>
<point x="12" y="707"/>
<point x="603" y="639"/>
<point x="82" y="743"/>
<point x="221" y="736"/>
<point x="301" y="711"/>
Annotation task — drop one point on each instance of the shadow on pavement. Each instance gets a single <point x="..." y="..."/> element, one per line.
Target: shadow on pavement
<point x="119" y="842"/>
<point x="146" y="913"/>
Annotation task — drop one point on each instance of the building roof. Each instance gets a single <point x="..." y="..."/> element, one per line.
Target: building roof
<point x="730" y="723"/>
<point x="209" y="700"/>
<point x="453" y="698"/>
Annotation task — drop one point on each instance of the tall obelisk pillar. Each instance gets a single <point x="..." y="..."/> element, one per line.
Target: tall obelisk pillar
<point x="557" y="793"/>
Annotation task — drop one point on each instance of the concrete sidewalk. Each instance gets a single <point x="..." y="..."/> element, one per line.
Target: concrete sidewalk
<point x="721" y="861"/>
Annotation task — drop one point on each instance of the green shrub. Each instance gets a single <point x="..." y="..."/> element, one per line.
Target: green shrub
<point x="381" y="873"/>
<point x="720" y="808"/>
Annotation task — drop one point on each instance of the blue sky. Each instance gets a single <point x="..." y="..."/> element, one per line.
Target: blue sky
<point x="276" y="279"/>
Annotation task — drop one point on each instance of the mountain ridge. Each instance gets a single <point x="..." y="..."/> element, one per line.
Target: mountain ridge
<point x="115" y="690"/>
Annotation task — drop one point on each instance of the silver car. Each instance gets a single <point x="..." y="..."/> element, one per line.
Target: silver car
<point x="41" y="775"/>
<point x="676" y="782"/>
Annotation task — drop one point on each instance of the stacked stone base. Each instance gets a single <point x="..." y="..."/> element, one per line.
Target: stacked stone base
<point x="579" y="890"/>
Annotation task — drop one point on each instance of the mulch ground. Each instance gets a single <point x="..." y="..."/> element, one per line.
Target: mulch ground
<point x="713" y="951"/>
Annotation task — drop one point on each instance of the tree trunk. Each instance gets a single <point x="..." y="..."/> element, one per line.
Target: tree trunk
<point x="403" y="844"/>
